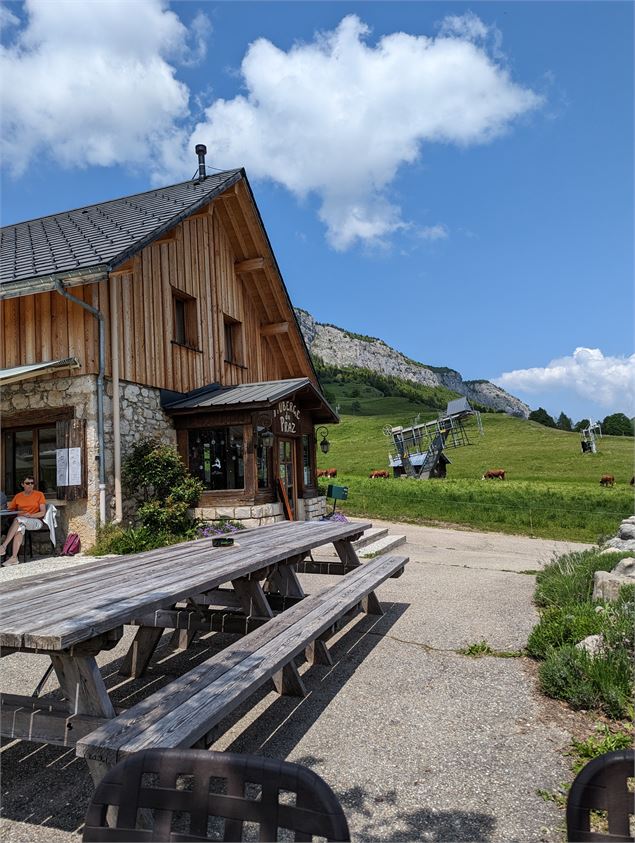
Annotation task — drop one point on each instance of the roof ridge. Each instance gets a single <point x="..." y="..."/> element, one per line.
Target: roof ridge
<point x="117" y="199"/>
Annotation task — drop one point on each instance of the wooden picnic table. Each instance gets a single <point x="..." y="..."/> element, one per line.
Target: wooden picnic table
<point x="74" y="614"/>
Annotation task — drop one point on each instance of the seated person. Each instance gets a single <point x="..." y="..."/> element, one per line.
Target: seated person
<point x="31" y="506"/>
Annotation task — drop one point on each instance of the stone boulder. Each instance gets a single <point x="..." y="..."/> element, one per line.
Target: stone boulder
<point x="593" y="645"/>
<point x="625" y="539"/>
<point x="607" y="584"/>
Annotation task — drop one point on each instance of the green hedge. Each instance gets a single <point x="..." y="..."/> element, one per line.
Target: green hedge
<point x="603" y="681"/>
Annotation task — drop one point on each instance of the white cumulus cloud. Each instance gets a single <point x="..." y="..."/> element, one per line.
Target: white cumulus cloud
<point x="468" y="26"/>
<point x="434" y="232"/>
<point x="338" y="117"/>
<point x="94" y="83"/>
<point x="608" y="381"/>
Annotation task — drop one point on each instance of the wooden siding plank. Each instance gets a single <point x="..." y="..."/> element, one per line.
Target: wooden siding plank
<point x="166" y="333"/>
<point x="139" y="336"/>
<point x="157" y="326"/>
<point x="125" y="303"/>
<point x="205" y="305"/>
<point x="148" y="324"/>
<point x="11" y="331"/>
<point x="27" y="329"/>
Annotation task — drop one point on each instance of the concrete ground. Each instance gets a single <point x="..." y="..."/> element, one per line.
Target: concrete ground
<point x="418" y="741"/>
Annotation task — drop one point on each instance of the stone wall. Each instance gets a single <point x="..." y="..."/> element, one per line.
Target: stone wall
<point x="256" y="515"/>
<point x="310" y="509"/>
<point x="141" y="417"/>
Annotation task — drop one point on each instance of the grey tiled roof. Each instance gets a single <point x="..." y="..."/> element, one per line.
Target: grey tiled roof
<point x="263" y="394"/>
<point x="104" y="234"/>
<point x="266" y="392"/>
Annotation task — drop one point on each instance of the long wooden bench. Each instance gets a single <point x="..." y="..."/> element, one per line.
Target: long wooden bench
<point x="185" y="712"/>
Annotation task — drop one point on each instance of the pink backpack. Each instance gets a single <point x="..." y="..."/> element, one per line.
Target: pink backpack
<point x="72" y="545"/>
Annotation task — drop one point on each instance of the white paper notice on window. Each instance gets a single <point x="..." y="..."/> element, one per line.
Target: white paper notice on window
<point x="69" y="466"/>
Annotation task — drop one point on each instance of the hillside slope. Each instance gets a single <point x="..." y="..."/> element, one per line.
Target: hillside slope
<point x="526" y="450"/>
<point x="337" y="347"/>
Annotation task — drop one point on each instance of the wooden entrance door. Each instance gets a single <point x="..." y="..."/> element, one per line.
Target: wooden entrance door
<point x="286" y="469"/>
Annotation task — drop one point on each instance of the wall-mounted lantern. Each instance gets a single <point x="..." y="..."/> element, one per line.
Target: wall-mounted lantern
<point x="324" y="444"/>
<point x="265" y="421"/>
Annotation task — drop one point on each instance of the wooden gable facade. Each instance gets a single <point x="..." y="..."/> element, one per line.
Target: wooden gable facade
<point x="218" y="263"/>
<point x="203" y="303"/>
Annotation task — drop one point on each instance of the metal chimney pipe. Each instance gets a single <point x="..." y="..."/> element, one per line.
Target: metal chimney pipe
<point x="201" y="151"/>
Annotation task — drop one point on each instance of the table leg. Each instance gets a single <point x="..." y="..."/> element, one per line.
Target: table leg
<point x="252" y="598"/>
<point x="141" y="650"/>
<point x="346" y="552"/>
<point x="286" y="581"/>
<point x="82" y="685"/>
<point x="254" y="602"/>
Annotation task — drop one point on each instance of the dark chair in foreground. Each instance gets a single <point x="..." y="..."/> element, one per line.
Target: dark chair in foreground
<point x="603" y="786"/>
<point x="202" y="795"/>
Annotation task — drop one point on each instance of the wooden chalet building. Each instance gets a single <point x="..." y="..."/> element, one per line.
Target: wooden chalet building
<point x="163" y="315"/>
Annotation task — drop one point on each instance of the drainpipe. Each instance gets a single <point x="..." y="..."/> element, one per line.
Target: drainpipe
<point x="116" y="432"/>
<point x="100" y="395"/>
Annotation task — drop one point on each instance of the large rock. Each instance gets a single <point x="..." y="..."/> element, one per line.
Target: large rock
<point x="625" y="539"/>
<point x="593" y="645"/>
<point x="607" y="584"/>
<point x="627" y="529"/>
<point x="338" y="347"/>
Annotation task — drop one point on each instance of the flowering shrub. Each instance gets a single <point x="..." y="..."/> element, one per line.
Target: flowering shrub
<point x="336" y="516"/>
<point x="222" y="527"/>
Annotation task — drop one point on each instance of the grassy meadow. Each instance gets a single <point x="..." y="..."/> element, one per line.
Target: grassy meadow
<point x="551" y="489"/>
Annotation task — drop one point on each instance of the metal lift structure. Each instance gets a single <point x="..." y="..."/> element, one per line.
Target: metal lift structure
<point x="418" y="451"/>
<point x="589" y="436"/>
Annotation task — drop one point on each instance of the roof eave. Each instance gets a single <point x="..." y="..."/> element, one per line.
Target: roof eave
<point x="284" y="286"/>
<point x="48" y="283"/>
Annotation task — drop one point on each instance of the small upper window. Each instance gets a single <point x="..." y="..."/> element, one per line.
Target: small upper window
<point x="233" y="341"/>
<point x="185" y="321"/>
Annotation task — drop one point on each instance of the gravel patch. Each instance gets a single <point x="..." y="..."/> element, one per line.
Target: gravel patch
<point x="418" y="741"/>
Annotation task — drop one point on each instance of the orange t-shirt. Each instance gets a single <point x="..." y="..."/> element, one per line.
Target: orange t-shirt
<point x="28" y="503"/>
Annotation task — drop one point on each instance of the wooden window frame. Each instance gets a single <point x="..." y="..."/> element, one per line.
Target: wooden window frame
<point x="188" y="338"/>
<point x="35" y="446"/>
<point x="234" y="348"/>
<point x="227" y="491"/>
<point x="70" y="432"/>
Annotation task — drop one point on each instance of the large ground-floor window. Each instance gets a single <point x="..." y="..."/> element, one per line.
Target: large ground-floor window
<point x="30" y="451"/>
<point x="215" y="456"/>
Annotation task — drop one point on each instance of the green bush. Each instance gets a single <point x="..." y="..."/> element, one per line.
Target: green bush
<point x="116" y="539"/>
<point x="569" y="578"/>
<point x="562" y="625"/>
<point x="605" y="680"/>
<point x="152" y="470"/>
<point x="156" y="477"/>
<point x="601" y="682"/>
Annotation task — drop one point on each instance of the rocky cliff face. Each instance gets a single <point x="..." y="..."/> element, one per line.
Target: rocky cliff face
<point x="337" y="347"/>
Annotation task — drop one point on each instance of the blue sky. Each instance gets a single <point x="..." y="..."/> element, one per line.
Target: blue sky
<point x="456" y="179"/>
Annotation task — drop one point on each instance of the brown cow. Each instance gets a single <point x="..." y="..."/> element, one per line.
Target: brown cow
<point x="375" y="474"/>
<point x="321" y="472"/>
<point x="330" y="472"/>
<point x="607" y="480"/>
<point x="494" y="474"/>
